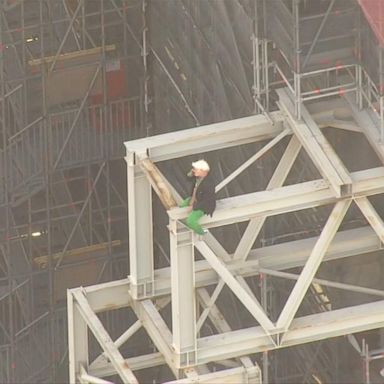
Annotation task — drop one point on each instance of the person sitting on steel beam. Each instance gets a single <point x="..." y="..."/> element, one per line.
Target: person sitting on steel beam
<point x="203" y="198"/>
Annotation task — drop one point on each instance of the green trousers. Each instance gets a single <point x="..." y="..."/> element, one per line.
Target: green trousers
<point x="194" y="217"/>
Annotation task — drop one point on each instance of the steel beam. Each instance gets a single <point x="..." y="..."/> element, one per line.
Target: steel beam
<point x="140" y="230"/>
<point x="210" y="303"/>
<point x="115" y="294"/>
<point x="157" y="329"/>
<point x="86" y="378"/>
<point x="248" y="301"/>
<point x="219" y="321"/>
<point x="207" y="138"/>
<point x="118" y="342"/>
<point x="277" y="180"/>
<point x="317" y="147"/>
<point x="105" y="368"/>
<point x="238" y="375"/>
<point x="183" y="290"/>
<point x="101" y="335"/>
<point x="312" y="265"/>
<point x="252" y="159"/>
<point x="371" y="215"/>
<point x="285" y="199"/>
<point x="327" y="283"/>
<point x="305" y="329"/>
<point x="77" y="340"/>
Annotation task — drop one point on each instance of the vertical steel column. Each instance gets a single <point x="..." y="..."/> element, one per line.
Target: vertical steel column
<point x="77" y="340"/>
<point x="183" y="293"/>
<point x="140" y="230"/>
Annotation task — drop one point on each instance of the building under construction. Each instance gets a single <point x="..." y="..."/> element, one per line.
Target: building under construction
<point x="104" y="104"/>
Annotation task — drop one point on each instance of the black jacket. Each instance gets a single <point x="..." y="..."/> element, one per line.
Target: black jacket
<point x="205" y="195"/>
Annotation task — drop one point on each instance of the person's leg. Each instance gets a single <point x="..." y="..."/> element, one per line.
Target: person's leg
<point x="193" y="221"/>
<point x="185" y="202"/>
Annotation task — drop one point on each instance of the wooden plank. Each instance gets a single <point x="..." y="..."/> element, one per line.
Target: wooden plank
<point x="42" y="261"/>
<point x="72" y="55"/>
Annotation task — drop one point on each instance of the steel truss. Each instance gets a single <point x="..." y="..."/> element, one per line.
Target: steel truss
<point x="186" y="351"/>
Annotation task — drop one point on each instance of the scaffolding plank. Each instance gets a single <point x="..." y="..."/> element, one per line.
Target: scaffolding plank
<point x="42" y="261"/>
<point x="88" y="53"/>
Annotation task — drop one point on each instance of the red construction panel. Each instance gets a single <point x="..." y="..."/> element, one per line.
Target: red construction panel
<point x="116" y="90"/>
<point x="116" y="83"/>
<point x="374" y="13"/>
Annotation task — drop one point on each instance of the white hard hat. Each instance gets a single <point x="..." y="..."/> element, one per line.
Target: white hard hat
<point x="201" y="164"/>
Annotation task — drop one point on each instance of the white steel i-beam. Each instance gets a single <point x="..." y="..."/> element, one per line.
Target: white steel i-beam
<point x="183" y="292"/>
<point x="371" y="215"/>
<point x="312" y="265"/>
<point x="77" y="340"/>
<point x="101" y="335"/>
<point x="277" y="180"/>
<point x="140" y="229"/>
<point x="249" y="302"/>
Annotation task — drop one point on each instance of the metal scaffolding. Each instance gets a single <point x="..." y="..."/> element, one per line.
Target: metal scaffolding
<point x="80" y="77"/>
<point x="67" y="104"/>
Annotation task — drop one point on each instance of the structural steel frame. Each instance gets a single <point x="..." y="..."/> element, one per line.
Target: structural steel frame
<point x="186" y="279"/>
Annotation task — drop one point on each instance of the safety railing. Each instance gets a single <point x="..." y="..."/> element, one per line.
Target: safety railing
<point x="25" y="154"/>
<point x="70" y="138"/>
<point x="98" y="134"/>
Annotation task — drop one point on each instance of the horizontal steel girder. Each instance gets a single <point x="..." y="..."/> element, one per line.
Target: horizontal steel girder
<point x="285" y="199"/>
<point x="225" y="134"/>
<point x="115" y="294"/>
<point x="303" y="330"/>
<point x="207" y="138"/>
